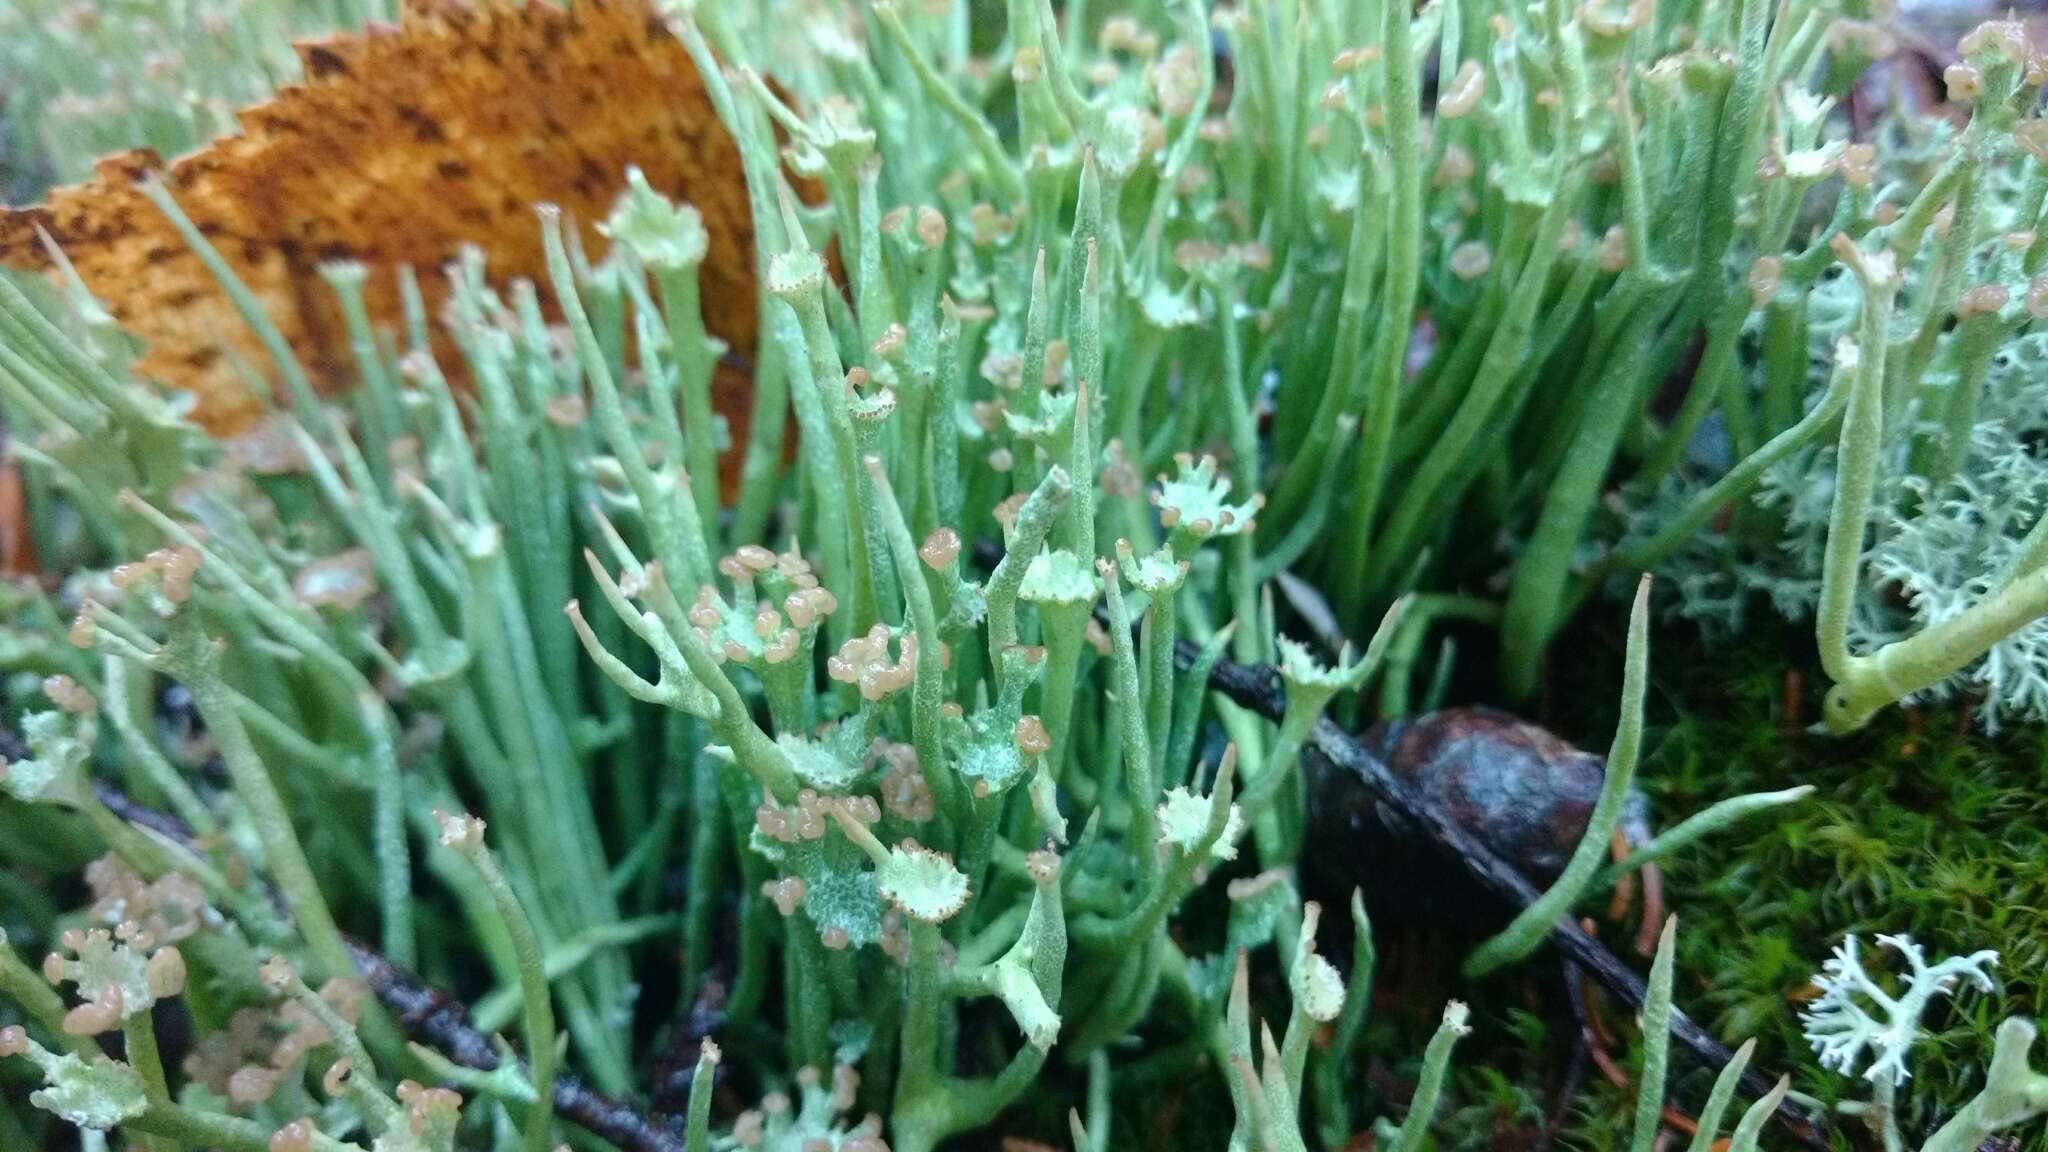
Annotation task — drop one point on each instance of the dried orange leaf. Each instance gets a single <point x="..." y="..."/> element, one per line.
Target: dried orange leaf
<point x="402" y="145"/>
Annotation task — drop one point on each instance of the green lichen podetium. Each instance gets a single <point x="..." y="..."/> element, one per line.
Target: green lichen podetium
<point x="888" y="754"/>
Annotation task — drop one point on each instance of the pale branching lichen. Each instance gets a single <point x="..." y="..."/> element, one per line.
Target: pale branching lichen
<point x="1859" y="1028"/>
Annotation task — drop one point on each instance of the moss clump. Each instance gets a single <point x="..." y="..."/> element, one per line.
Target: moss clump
<point x="1921" y="825"/>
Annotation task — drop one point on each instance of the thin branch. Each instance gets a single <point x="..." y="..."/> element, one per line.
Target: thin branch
<point x="1258" y="688"/>
<point x="432" y="1017"/>
<point x="429" y="1016"/>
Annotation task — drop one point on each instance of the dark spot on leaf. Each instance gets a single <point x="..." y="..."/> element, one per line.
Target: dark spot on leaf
<point x="425" y="128"/>
<point x="322" y="62"/>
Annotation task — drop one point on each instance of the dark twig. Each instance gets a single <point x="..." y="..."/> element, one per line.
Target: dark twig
<point x="430" y="1016"/>
<point x="1257" y="687"/>
<point x="114" y="800"/>
<point x="1575" y="1067"/>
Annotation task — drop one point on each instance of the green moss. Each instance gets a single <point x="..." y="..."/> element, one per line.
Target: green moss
<point x="1920" y="826"/>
